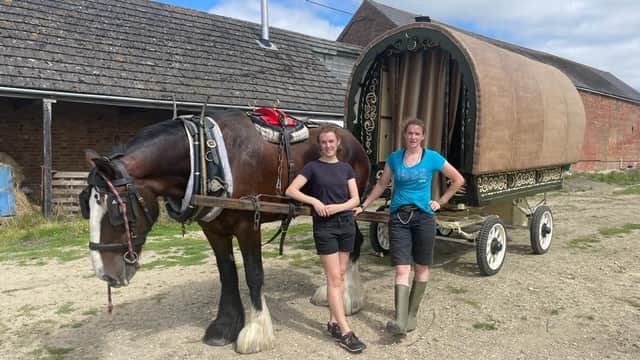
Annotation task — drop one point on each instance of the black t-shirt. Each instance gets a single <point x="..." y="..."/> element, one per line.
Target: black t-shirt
<point x="327" y="182"/>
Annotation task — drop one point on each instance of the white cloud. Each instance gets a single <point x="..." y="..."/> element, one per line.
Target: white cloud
<point x="600" y="33"/>
<point x="292" y="15"/>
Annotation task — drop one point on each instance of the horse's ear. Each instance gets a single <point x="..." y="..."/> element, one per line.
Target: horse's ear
<point x="90" y="155"/>
<point x="104" y="167"/>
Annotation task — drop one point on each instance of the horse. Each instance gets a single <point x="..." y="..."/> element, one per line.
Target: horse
<point x="156" y="163"/>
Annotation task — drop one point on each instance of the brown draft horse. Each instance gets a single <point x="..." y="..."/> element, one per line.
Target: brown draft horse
<point x="157" y="162"/>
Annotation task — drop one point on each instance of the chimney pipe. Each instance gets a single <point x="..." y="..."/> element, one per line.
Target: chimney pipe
<point x="264" y="41"/>
<point x="265" y="20"/>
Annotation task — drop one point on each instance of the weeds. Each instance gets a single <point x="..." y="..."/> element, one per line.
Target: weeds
<point x="627" y="177"/>
<point x="66" y="308"/>
<point x="455" y="290"/>
<point x="487" y="326"/>
<point x="90" y="312"/>
<point x="625" y="229"/>
<point x="583" y="243"/>
<point x="631" y="190"/>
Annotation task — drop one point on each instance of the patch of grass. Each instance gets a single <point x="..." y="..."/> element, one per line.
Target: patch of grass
<point x="631" y="190"/>
<point x="583" y="243"/>
<point x="270" y="254"/>
<point x="32" y="240"/>
<point x="177" y="252"/>
<point x="627" y="177"/>
<point x="554" y="312"/>
<point x="3" y="328"/>
<point x="57" y="352"/>
<point x="487" y="326"/>
<point x="625" y="229"/>
<point x="171" y="228"/>
<point x="455" y="290"/>
<point x="304" y="261"/>
<point x="65" y="308"/>
<point x="91" y="312"/>
<point x="305" y="244"/>
<point x="469" y="302"/>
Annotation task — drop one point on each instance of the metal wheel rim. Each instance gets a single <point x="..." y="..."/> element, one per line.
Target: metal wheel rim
<point x="545" y="240"/>
<point x="444" y="231"/>
<point x="498" y="233"/>
<point x="383" y="236"/>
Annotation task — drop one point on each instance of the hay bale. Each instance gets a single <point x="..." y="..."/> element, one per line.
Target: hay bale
<point x="23" y="206"/>
<point x="16" y="169"/>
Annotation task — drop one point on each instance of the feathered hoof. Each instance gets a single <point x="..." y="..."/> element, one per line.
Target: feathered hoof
<point x="257" y="335"/>
<point x="319" y="298"/>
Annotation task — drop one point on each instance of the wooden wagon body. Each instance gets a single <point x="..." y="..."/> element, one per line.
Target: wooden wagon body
<point x="508" y="123"/>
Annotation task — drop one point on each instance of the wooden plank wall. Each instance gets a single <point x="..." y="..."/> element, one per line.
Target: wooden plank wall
<point x="67" y="185"/>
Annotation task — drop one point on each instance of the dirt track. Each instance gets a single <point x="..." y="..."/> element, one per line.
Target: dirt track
<point x="581" y="300"/>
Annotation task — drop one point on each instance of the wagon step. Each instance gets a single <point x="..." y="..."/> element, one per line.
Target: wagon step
<point x="274" y="207"/>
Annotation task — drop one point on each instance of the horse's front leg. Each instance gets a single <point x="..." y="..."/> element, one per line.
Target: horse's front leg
<point x="257" y="334"/>
<point x="230" y="317"/>
<point x="353" y="296"/>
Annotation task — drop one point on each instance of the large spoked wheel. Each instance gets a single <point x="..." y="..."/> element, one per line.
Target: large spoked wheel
<point x="491" y="246"/>
<point x="379" y="236"/>
<point x="541" y="229"/>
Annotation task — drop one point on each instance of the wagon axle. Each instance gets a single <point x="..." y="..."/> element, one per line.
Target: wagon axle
<point x="496" y="246"/>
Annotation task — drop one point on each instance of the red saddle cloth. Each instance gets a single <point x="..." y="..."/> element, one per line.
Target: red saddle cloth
<point x="272" y="116"/>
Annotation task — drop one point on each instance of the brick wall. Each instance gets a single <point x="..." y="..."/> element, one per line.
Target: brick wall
<point x="365" y="26"/>
<point x="75" y="127"/>
<point x="612" y="134"/>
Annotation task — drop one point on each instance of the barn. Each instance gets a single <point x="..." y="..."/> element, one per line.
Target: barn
<point x="90" y="73"/>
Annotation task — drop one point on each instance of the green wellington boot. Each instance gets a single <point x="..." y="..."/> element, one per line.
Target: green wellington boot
<point x="399" y="325"/>
<point x="417" y="292"/>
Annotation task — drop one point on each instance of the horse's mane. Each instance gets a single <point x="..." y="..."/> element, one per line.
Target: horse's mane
<point x="167" y="128"/>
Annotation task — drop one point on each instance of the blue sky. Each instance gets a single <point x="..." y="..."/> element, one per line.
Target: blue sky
<point x="604" y="34"/>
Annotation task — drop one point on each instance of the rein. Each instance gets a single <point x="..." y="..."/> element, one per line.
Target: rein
<point x="130" y="234"/>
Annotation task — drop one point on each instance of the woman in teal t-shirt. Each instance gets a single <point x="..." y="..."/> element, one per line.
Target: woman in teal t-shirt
<point x="412" y="227"/>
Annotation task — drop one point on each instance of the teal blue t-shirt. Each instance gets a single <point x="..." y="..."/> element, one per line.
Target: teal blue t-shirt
<point x="412" y="185"/>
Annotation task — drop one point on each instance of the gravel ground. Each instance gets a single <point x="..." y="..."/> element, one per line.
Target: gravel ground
<point x="581" y="300"/>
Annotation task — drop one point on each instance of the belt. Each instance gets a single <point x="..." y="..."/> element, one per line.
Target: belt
<point x="408" y="208"/>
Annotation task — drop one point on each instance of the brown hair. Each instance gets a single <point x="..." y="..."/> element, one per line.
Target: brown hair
<point x="417" y="122"/>
<point x="327" y="129"/>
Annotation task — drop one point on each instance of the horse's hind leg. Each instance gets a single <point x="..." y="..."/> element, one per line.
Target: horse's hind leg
<point x="257" y="335"/>
<point x="353" y="296"/>
<point x="230" y="317"/>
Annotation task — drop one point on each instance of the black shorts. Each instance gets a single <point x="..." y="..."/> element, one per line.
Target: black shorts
<point x="334" y="233"/>
<point x="412" y="237"/>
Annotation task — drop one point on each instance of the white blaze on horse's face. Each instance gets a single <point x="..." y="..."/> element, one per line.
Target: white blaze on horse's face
<point x="98" y="208"/>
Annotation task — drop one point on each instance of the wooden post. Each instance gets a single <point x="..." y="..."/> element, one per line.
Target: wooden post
<point x="46" y="157"/>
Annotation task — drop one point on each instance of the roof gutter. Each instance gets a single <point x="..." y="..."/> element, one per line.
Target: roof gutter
<point x="637" y="102"/>
<point x="133" y="101"/>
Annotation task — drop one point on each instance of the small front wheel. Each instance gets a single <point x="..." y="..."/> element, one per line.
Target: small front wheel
<point x="541" y="229"/>
<point x="379" y="235"/>
<point x="491" y="246"/>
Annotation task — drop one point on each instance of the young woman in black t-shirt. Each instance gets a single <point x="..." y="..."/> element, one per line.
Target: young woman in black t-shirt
<point x="333" y="193"/>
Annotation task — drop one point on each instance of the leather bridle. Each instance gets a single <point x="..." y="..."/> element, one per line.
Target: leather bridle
<point x="123" y="214"/>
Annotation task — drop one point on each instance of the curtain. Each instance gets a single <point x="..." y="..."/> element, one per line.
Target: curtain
<point x="418" y="84"/>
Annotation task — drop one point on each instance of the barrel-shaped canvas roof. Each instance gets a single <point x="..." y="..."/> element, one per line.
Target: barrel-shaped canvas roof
<point x="525" y="114"/>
